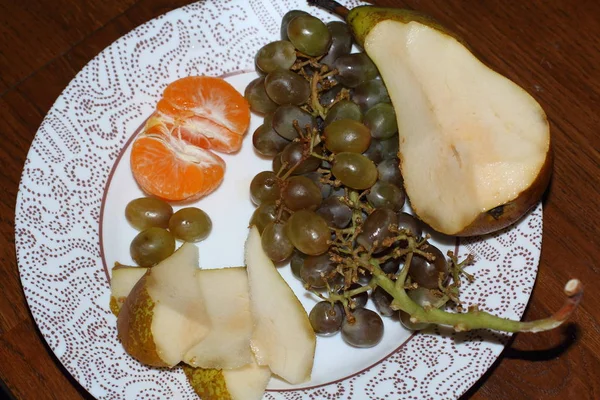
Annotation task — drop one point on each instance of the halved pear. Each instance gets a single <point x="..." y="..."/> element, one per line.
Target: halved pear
<point x="227" y="303"/>
<point x="164" y="315"/>
<point x="123" y="279"/>
<point x="283" y="338"/>
<point x="475" y="149"/>
<point x="246" y="383"/>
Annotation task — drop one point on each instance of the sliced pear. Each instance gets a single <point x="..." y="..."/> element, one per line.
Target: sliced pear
<point x="246" y="383"/>
<point x="123" y="279"/>
<point x="283" y="338"/>
<point x="475" y="149"/>
<point x="164" y="315"/>
<point x="228" y="306"/>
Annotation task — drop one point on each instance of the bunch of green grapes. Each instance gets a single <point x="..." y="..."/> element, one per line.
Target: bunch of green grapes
<point x="332" y="203"/>
<point x="159" y="227"/>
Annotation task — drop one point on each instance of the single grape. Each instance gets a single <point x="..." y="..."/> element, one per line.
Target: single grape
<point x="391" y="265"/>
<point x="190" y="224"/>
<point x="151" y="246"/>
<point x="299" y="193"/>
<point x="267" y="142"/>
<point x="389" y="148"/>
<point x="275" y="242"/>
<point x="427" y="273"/>
<point x="381" y="121"/>
<point x="286" y="20"/>
<point x="316" y="178"/>
<point x="422" y="297"/>
<point x="409" y="223"/>
<point x="382" y="301"/>
<point x="373" y="153"/>
<point x="389" y="171"/>
<point x="309" y="35"/>
<point x="308" y="232"/>
<point x="318" y="269"/>
<point x="360" y="300"/>
<point x="337" y="214"/>
<point x="257" y="97"/>
<point x="277" y="165"/>
<point x="369" y="93"/>
<point x="264" y="187"/>
<point x="276" y="55"/>
<point x="343" y="109"/>
<point x="326" y="318"/>
<point x="284" y="117"/>
<point x="347" y="135"/>
<point x="329" y="96"/>
<point x="354" y="170"/>
<point x="286" y="87"/>
<point x="296" y="263"/>
<point x="376" y="228"/>
<point x="388" y="195"/>
<point x="265" y="213"/>
<point x="341" y="41"/>
<point x="364" y="330"/>
<point x="148" y="212"/>
<point x="354" y="69"/>
<point x="293" y="155"/>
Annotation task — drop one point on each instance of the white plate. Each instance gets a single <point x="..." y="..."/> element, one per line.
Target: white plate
<point x="70" y="224"/>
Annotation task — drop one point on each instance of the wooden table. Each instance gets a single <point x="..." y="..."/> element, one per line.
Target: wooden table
<point x="551" y="48"/>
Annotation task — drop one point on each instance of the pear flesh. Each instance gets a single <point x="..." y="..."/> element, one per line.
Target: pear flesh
<point x="227" y="303"/>
<point x="471" y="140"/>
<point x="123" y="279"/>
<point x="164" y="315"/>
<point x="283" y="338"/>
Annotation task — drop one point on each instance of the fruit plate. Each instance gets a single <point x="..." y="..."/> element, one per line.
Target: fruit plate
<point x="70" y="225"/>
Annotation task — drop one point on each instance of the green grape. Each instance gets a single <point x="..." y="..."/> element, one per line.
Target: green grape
<point x="265" y="213"/>
<point x="354" y="69"/>
<point x="287" y="87"/>
<point x="354" y="170"/>
<point x="257" y="97"/>
<point x="284" y="117"/>
<point x="347" y="135"/>
<point x="388" y="195"/>
<point x="275" y="55"/>
<point x="381" y="121"/>
<point x="369" y="93"/>
<point x="409" y="223"/>
<point x="341" y="41"/>
<point x="293" y="155"/>
<point x="299" y="193"/>
<point x="190" y="224"/>
<point x="275" y="242"/>
<point x="286" y="20"/>
<point x="319" y="269"/>
<point x="389" y="171"/>
<point x="151" y="246"/>
<point x="336" y="213"/>
<point x="373" y="153"/>
<point x="264" y="187"/>
<point x="376" y="228"/>
<point x="326" y="318"/>
<point x="308" y="232"/>
<point x="364" y="330"/>
<point x="389" y="148"/>
<point x="323" y="187"/>
<point x="148" y="212"/>
<point x="296" y="263"/>
<point x="309" y="35"/>
<point x="343" y="109"/>
<point x="427" y="273"/>
<point x="267" y="142"/>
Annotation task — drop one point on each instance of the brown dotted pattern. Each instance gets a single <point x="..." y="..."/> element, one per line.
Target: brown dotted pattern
<point x="61" y="193"/>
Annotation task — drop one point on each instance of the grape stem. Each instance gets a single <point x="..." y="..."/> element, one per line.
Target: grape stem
<point x="330" y="5"/>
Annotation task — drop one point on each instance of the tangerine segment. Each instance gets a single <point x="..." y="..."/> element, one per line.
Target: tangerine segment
<point x="169" y="168"/>
<point x="164" y="125"/>
<point x="207" y="97"/>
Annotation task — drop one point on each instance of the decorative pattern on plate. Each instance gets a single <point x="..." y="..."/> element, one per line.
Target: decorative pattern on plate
<point x="59" y="203"/>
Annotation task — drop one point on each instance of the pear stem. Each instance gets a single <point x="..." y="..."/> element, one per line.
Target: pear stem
<point x="331" y="6"/>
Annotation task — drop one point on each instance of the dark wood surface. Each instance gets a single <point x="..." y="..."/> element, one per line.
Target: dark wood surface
<point x="551" y="48"/>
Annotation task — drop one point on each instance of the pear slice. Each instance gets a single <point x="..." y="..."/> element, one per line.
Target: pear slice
<point x="164" y="315"/>
<point x="228" y="306"/>
<point x="246" y="383"/>
<point x="123" y="279"/>
<point x="475" y="149"/>
<point x="283" y="338"/>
